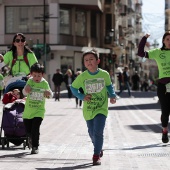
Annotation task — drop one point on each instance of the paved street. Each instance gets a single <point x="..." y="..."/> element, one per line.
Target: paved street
<point x="132" y="139"/>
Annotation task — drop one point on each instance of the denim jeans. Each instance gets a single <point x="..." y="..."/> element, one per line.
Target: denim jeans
<point x="95" y="130"/>
<point x="127" y="85"/>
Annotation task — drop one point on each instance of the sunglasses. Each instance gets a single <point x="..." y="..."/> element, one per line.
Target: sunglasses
<point x="19" y="40"/>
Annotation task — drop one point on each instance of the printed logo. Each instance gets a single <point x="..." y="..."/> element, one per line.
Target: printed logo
<point x="162" y="56"/>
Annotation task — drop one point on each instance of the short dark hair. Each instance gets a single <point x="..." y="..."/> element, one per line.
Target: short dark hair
<point x="91" y="51"/>
<point x="38" y="68"/>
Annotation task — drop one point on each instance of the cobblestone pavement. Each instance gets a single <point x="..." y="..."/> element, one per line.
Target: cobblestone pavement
<point x="132" y="139"/>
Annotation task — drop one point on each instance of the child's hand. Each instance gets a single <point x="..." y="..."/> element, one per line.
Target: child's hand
<point x="112" y="100"/>
<point x="27" y="89"/>
<point x="47" y="94"/>
<point x="147" y="35"/>
<point x="87" y="97"/>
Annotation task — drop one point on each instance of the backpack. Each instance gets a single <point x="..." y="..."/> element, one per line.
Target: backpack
<point x="15" y="59"/>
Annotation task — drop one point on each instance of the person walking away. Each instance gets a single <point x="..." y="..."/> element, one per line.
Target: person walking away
<point x="79" y="102"/>
<point x="57" y="80"/>
<point x="125" y="82"/>
<point x="37" y="90"/>
<point x="68" y="79"/>
<point x="95" y="83"/>
<point x="162" y="58"/>
<point x="19" y="58"/>
<point x="135" y="81"/>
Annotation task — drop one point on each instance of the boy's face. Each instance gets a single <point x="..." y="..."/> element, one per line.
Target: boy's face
<point x="90" y="62"/>
<point x="37" y="76"/>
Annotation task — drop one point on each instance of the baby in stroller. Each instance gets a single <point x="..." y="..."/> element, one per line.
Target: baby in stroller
<point x="12" y="123"/>
<point x="11" y="96"/>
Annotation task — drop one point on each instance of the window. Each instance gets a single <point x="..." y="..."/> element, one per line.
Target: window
<point x="65" y="23"/>
<point x="93" y="25"/>
<point x="80" y="23"/>
<point x="25" y="19"/>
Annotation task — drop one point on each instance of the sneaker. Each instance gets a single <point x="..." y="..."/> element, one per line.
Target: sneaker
<point x="165" y="138"/>
<point x="117" y="97"/>
<point x="96" y="160"/>
<point x="34" y="150"/>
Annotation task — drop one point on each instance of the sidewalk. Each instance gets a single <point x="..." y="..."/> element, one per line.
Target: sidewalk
<point x="132" y="139"/>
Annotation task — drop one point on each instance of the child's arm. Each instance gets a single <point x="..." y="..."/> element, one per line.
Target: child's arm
<point x="26" y="90"/>
<point x="77" y="93"/>
<point x="5" y="99"/>
<point x="112" y="93"/>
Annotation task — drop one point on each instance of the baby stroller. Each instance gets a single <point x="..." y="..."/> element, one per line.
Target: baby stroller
<point x="12" y="123"/>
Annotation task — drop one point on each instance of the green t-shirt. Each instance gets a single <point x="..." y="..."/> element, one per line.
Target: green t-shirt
<point x="96" y="86"/>
<point x="1" y="82"/>
<point x="20" y="67"/>
<point x="35" y="102"/>
<point x="162" y="58"/>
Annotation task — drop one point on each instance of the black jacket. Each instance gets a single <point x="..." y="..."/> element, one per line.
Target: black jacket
<point x="57" y="79"/>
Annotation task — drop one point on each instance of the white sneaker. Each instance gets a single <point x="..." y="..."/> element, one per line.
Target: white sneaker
<point x="117" y="97"/>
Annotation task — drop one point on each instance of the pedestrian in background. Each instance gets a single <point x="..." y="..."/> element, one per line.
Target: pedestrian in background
<point x="125" y="82"/>
<point x="57" y="80"/>
<point x="68" y="79"/>
<point x="95" y="83"/>
<point x="162" y="58"/>
<point x="78" y="101"/>
<point x="36" y="89"/>
<point x="135" y="81"/>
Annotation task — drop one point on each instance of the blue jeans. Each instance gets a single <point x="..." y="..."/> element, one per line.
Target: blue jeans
<point x="95" y="130"/>
<point x="127" y="85"/>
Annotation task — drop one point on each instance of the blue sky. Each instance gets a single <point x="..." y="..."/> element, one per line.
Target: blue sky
<point x="153" y="13"/>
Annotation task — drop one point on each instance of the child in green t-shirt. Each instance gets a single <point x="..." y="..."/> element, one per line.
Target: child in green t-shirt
<point x="36" y="90"/>
<point x="95" y="83"/>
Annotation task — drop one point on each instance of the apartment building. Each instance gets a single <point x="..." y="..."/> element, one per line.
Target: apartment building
<point x="68" y="28"/>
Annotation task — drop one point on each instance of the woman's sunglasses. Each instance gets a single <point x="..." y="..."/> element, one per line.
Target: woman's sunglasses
<point x="19" y="40"/>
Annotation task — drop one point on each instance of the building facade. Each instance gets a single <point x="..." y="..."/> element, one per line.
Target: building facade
<point x="59" y="31"/>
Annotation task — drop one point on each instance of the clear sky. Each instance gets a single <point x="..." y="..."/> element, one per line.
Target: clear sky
<point x="153" y="13"/>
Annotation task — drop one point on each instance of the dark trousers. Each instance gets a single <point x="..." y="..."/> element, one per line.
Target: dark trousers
<point x="69" y="92"/>
<point x="164" y="99"/>
<point x="78" y="101"/>
<point x="33" y="129"/>
<point x="57" y="91"/>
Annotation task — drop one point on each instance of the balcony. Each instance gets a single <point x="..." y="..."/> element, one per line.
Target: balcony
<point x="66" y="39"/>
<point x="88" y="4"/>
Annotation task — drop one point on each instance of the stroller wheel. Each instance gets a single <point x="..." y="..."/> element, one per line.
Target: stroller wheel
<point x="3" y="143"/>
<point x="7" y="143"/>
<point x="24" y="145"/>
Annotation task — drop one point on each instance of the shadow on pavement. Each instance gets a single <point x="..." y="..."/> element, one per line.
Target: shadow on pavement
<point x="146" y="146"/>
<point x="147" y="106"/>
<point x="147" y="127"/>
<point x="83" y="166"/>
<point x="138" y="94"/>
<point x="17" y="155"/>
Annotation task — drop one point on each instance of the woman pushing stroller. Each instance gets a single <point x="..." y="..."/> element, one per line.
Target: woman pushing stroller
<point x="19" y="58"/>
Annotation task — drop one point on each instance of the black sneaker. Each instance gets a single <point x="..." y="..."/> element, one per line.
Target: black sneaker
<point x="34" y="150"/>
<point x="165" y="138"/>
